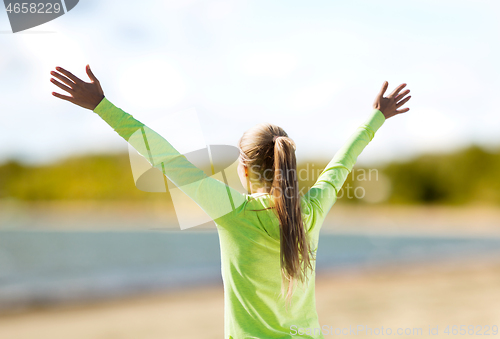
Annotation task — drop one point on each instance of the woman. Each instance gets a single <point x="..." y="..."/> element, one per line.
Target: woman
<point x="269" y="237"/>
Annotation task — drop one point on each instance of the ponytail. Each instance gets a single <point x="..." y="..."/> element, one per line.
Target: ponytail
<point x="267" y="146"/>
<point x="294" y="254"/>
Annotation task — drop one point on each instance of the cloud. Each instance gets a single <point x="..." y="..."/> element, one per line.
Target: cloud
<point x="265" y="63"/>
<point x="433" y="130"/>
<point x="312" y="97"/>
<point x="152" y="81"/>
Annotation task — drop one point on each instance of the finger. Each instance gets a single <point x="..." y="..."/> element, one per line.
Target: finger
<point x="93" y="78"/>
<point x="69" y="75"/>
<point x="402" y="102"/>
<point x="383" y="89"/>
<point x="396" y="91"/>
<point x="402" y="110"/>
<point x="64" y="97"/>
<point x="62" y="78"/>
<point x="401" y="95"/>
<point x="61" y="86"/>
<point x="90" y="74"/>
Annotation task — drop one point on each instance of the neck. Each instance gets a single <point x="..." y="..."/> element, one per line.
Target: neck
<point x="261" y="190"/>
<point x="253" y="187"/>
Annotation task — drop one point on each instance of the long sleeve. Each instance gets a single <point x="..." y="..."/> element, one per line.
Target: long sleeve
<point x="318" y="201"/>
<point x="217" y="199"/>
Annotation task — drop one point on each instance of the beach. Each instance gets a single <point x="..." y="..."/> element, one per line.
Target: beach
<point x="417" y="297"/>
<point x="410" y="296"/>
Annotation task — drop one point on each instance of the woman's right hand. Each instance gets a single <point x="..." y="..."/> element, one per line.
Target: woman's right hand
<point x="389" y="105"/>
<point x="85" y="94"/>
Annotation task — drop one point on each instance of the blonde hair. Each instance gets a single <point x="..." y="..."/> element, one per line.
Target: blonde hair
<point x="267" y="150"/>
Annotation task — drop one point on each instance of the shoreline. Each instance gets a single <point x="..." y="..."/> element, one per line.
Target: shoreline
<point x="159" y="215"/>
<point x="417" y="295"/>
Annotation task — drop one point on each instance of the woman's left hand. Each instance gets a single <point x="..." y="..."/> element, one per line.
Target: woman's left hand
<point x="85" y="94"/>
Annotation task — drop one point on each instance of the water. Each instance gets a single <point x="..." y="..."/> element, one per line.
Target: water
<point x="46" y="267"/>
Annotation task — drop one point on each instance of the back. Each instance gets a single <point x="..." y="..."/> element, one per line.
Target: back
<point x="251" y="272"/>
<point x="250" y="240"/>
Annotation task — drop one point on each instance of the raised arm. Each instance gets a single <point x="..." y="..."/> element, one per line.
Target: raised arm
<point x="217" y="199"/>
<point x="320" y="198"/>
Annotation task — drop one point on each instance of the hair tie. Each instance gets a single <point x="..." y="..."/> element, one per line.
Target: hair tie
<point x="281" y="136"/>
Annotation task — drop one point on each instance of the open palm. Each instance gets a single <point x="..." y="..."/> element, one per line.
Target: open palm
<point x="85" y="94"/>
<point x="389" y="105"/>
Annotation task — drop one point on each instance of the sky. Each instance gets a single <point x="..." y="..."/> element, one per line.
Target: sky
<point x="313" y="68"/>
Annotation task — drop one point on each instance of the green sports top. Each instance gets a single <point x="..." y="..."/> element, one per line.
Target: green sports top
<point x="250" y="240"/>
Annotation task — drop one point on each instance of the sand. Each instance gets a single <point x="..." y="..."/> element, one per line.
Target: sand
<point x="412" y="297"/>
<point x="420" y="297"/>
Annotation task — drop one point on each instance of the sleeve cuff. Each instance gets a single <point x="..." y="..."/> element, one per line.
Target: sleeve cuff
<point x="110" y="113"/>
<point x="375" y="120"/>
<point x="102" y="106"/>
